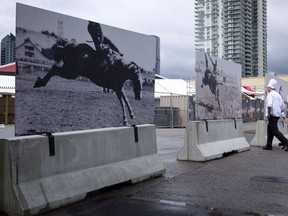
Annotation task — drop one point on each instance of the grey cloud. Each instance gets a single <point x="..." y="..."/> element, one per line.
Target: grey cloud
<point x="172" y="21"/>
<point x="277" y="36"/>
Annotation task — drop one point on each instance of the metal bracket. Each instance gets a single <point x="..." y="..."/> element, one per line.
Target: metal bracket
<point x="206" y="123"/>
<point x="135" y="133"/>
<point x="51" y="142"/>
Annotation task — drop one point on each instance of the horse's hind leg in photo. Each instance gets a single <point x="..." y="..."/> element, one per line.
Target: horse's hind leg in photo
<point x="128" y="105"/>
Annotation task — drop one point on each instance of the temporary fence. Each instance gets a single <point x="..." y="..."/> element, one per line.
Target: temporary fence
<point x="7" y="107"/>
<point x="252" y="109"/>
<point x="173" y="111"/>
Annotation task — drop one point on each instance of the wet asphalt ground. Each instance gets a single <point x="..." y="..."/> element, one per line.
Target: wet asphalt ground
<point x="254" y="182"/>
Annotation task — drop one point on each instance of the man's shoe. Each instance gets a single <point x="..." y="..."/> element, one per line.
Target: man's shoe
<point x="267" y="148"/>
<point x="285" y="147"/>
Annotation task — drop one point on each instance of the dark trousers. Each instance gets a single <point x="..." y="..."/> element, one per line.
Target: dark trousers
<point x="272" y="130"/>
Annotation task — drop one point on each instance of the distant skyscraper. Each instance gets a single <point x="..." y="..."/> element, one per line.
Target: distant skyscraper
<point x="8" y="49"/>
<point x="234" y="30"/>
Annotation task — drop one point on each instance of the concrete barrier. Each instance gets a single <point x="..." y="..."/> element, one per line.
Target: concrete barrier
<point x="37" y="176"/>
<point x="207" y="140"/>
<point x="260" y="138"/>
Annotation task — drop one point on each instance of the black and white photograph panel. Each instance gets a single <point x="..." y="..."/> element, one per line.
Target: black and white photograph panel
<point x="218" y="88"/>
<point x="74" y="74"/>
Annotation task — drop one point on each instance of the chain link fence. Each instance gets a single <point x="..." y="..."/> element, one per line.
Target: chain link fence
<point x="174" y="111"/>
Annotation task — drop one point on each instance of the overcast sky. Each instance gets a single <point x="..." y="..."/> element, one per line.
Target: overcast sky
<point x="171" y="20"/>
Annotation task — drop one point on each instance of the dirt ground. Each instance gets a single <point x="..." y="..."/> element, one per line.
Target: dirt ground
<point x="69" y="105"/>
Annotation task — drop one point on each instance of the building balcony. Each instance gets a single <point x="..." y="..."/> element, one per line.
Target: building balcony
<point x="199" y="23"/>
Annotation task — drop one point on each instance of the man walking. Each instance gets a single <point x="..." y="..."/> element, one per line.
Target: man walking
<point x="274" y="110"/>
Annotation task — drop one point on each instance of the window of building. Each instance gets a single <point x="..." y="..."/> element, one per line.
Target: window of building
<point x="29" y="54"/>
<point x="29" y="47"/>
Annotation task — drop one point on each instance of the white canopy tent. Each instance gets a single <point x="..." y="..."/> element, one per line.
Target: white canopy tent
<point x="252" y="93"/>
<point x="7" y="84"/>
<point x="7" y="94"/>
<point x="167" y="87"/>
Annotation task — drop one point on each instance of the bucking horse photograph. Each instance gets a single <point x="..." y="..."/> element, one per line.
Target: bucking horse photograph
<point x="218" y="87"/>
<point x="80" y="85"/>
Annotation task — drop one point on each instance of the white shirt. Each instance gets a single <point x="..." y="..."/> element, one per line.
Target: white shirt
<point x="275" y="101"/>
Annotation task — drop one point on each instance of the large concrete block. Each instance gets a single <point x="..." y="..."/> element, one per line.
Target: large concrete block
<point x="32" y="181"/>
<point x="260" y="138"/>
<point x="207" y="140"/>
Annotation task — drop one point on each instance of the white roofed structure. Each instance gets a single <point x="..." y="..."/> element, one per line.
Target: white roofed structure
<point x="7" y="84"/>
<point x="167" y="87"/>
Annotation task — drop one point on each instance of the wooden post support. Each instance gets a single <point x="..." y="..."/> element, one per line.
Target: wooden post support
<point x="6" y="109"/>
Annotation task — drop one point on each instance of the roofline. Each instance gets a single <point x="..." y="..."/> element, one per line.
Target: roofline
<point x="7" y="65"/>
<point x="158" y="76"/>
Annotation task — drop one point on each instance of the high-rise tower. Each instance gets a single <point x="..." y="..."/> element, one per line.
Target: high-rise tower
<point x="259" y="37"/>
<point x="234" y="30"/>
<point x="8" y="49"/>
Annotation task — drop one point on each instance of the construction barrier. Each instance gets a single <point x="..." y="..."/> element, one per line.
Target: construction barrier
<point x="260" y="138"/>
<point x="211" y="139"/>
<point x="41" y="173"/>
